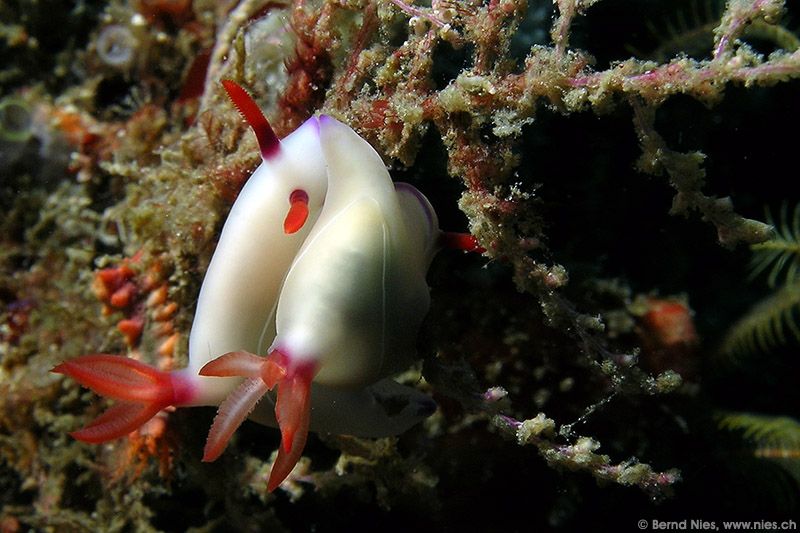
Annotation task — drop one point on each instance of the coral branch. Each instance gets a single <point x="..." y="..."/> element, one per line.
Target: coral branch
<point x="581" y="456"/>
<point x="567" y="10"/>
<point x="738" y="15"/>
<point x="688" y="178"/>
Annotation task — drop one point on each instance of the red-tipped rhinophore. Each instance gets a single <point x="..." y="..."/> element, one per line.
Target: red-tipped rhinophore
<point x="142" y="391"/>
<point x="292" y="408"/>
<point x="298" y="211"/>
<point x="268" y="142"/>
<point x="460" y="241"/>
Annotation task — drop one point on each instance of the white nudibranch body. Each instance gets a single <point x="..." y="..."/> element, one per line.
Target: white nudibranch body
<point x="355" y="295"/>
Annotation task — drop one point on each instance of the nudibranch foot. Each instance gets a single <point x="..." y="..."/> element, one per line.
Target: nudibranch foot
<point x="292" y="407"/>
<point x="382" y="409"/>
<point x="141" y="390"/>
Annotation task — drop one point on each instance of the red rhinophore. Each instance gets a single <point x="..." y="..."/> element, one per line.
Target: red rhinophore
<point x="460" y="241"/>
<point x="298" y="212"/>
<point x="141" y="390"/>
<point x="292" y="408"/>
<point x="268" y="142"/>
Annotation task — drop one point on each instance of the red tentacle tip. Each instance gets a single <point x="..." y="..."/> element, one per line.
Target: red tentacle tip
<point x="268" y="142"/>
<point x="460" y="241"/>
<point x="141" y="390"/>
<point x="293" y="411"/>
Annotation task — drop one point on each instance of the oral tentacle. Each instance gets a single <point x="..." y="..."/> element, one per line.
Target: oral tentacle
<point x="262" y="374"/>
<point x="230" y="415"/>
<point x="286" y="460"/>
<point x="293" y="406"/>
<point x="116" y="422"/>
<point x="272" y="372"/>
<point x="118" y="377"/>
<point x="240" y="363"/>
<point x="141" y="390"/>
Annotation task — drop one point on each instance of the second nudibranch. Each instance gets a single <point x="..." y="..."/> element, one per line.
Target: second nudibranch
<point x="352" y="301"/>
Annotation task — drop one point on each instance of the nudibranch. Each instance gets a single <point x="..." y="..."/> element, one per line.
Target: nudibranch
<point x="320" y="265"/>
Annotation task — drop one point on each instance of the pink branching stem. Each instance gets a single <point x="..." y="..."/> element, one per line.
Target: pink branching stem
<point x="560" y="32"/>
<point x="736" y="25"/>
<point x="786" y="66"/>
<point x="416" y="12"/>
